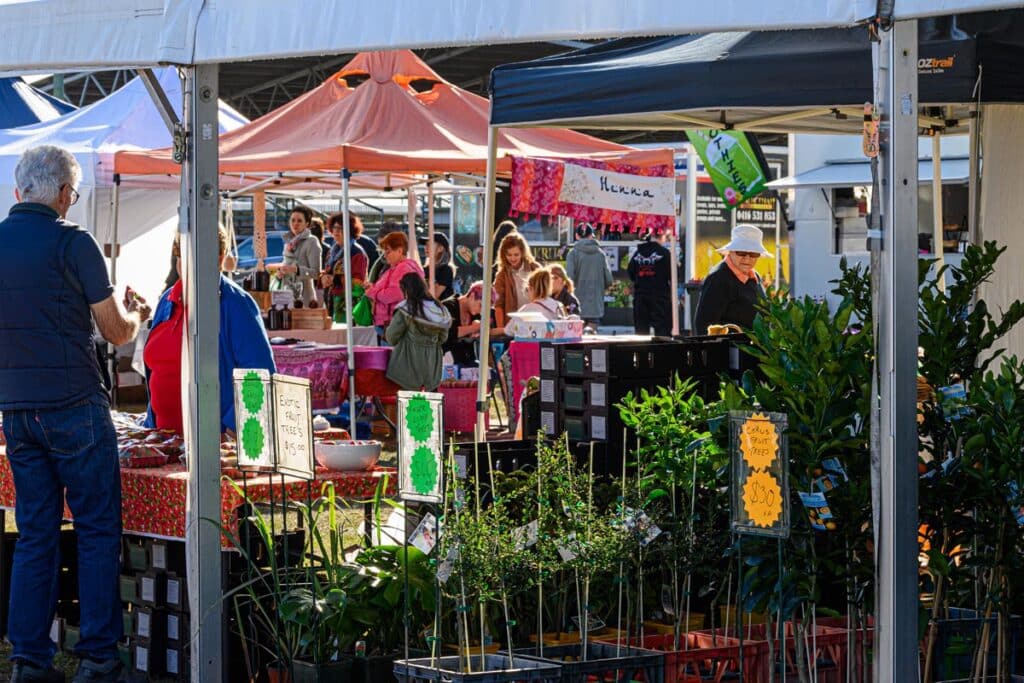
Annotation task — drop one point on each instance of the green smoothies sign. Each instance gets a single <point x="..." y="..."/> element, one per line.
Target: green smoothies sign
<point x="734" y="161"/>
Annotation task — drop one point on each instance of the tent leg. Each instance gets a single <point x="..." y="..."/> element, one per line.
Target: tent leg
<point x="202" y="412"/>
<point x="430" y="236"/>
<point x="111" y="356"/>
<point x="674" y="246"/>
<point x="349" y="331"/>
<point x="974" y="179"/>
<point x="485" y="312"/>
<point x="414" y="252"/>
<point x="691" y="227"/>
<point x="937" y="222"/>
<point x="896" y="655"/>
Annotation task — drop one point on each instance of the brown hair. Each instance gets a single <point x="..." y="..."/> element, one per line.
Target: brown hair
<point x="395" y="240"/>
<point x="305" y="211"/>
<point x="355" y="225"/>
<point x="514" y="240"/>
<point x="557" y="269"/>
<point x="540" y="283"/>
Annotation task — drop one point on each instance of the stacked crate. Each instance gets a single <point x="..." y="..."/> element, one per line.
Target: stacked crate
<point x="581" y="382"/>
<point x="153" y="593"/>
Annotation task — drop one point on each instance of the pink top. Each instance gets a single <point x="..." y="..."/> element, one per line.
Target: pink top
<point x="386" y="294"/>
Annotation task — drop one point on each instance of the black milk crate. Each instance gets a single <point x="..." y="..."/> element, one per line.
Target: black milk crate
<point x="178" y="628"/>
<point x="150" y="624"/>
<point x="549" y="387"/>
<point x="550" y="421"/>
<point x="601" y="393"/>
<point x="176" y="664"/>
<point x="487" y="669"/>
<point x="631" y="360"/>
<point x="593" y="424"/>
<point x="152" y="590"/>
<point x="177" y="592"/>
<point x="166" y="555"/>
<point x="604" y="662"/>
<point x="149" y="657"/>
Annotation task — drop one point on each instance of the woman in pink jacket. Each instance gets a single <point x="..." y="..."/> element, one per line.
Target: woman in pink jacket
<point x="385" y="293"/>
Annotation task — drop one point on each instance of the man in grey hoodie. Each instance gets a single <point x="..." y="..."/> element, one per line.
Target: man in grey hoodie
<point x="588" y="269"/>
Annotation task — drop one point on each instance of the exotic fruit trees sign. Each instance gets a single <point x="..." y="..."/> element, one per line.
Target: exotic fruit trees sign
<point x="758" y="449"/>
<point x="420" y="446"/>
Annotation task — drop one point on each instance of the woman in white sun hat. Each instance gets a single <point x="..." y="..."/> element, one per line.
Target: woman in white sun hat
<point x="732" y="289"/>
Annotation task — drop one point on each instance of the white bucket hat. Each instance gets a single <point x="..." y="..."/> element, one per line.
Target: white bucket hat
<point x="746" y="237"/>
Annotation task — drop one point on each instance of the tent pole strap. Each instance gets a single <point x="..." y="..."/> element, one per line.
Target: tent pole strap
<point x="487" y="236"/>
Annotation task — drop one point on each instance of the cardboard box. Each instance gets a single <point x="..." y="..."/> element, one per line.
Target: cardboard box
<point x="535" y="327"/>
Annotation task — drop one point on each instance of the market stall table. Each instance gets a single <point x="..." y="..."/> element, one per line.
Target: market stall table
<point x="153" y="499"/>
<point x="338" y="334"/>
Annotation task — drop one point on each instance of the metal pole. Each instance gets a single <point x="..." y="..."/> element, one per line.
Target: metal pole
<point x="778" y="239"/>
<point x="691" y="226"/>
<point x="113" y="238"/>
<point x="414" y="252"/>
<point x="674" y="246"/>
<point x="487" y="233"/>
<point x="202" y="427"/>
<point x="430" y="235"/>
<point x="349" y="330"/>
<point x="896" y="606"/>
<point x="937" y="236"/>
<point x="974" y="180"/>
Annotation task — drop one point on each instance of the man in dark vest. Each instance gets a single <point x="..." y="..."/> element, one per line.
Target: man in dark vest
<point x="56" y="417"/>
<point x="731" y="291"/>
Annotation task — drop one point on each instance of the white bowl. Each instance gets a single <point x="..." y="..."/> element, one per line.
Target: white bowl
<point x="347" y="456"/>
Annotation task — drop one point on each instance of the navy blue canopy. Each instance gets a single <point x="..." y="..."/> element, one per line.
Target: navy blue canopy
<point x="21" y="104"/>
<point x="773" y="81"/>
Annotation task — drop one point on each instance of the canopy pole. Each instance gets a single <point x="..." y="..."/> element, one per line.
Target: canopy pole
<point x="430" y="235"/>
<point x="896" y="601"/>
<point x="259" y="228"/>
<point x="937" y="223"/>
<point x="113" y="246"/>
<point x="674" y="260"/>
<point x="202" y="395"/>
<point x="487" y="236"/>
<point x="414" y="252"/>
<point x="349" y="330"/>
<point x="691" y="228"/>
<point x="778" y="239"/>
<point x="974" y="179"/>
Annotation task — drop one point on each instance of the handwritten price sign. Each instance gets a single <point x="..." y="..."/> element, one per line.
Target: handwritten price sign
<point x="758" y="449"/>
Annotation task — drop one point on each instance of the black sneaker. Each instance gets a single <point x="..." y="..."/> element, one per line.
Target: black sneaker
<point x="26" y="672"/>
<point x="99" y="672"/>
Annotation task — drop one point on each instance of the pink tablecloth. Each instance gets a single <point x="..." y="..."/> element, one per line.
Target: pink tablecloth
<point x="326" y="368"/>
<point x="525" y="358"/>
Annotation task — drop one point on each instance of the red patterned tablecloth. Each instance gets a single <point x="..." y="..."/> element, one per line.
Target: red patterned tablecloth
<point x="327" y="367"/>
<point x="153" y="499"/>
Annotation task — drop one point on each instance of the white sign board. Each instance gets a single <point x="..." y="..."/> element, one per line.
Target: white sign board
<point x="618" y="191"/>
<point x="420" y="446"/>
<point x="293" y="427"/>
<point x="253" y="423"/>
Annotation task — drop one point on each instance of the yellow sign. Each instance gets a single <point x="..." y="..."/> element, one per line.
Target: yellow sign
<point x="759" y="442"/>
<point x="762" y="499"/>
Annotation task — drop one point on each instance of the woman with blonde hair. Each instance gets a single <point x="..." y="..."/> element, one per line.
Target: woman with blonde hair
<point x="515" y="264"/>
<point x="541" y="302"/>
<point x="562" y="289"/>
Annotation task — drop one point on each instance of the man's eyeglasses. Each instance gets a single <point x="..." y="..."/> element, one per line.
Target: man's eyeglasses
<point x="74" y="194"/>
<point x="747" y="254"/>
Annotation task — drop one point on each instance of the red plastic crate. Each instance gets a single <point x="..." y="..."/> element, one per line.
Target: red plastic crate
<point x="829" y="644"/>
<point x="704" y="657"/>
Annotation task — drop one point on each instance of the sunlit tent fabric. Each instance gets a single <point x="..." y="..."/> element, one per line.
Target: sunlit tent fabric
<point x="21" y="104"/>
<point x="384" y="112"/>
<point x="813" y="80"/>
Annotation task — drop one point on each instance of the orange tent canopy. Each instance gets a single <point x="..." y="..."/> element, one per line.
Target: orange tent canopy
<point x="385" y="125"/>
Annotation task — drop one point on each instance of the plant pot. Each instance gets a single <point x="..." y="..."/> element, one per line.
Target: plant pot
<point x="277" y="673"/>
<point x="330" y="672"/>
<point x="378" y="669"/>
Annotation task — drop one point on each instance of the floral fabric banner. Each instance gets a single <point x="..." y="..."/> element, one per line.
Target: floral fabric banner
<point x="623" y="197"/>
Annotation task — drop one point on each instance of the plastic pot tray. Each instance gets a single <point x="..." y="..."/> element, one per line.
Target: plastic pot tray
<point x="488" y="669"/>
<point x="603" y="662"/>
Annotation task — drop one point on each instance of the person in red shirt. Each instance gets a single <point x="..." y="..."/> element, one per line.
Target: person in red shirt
<point x="243" y="344"/>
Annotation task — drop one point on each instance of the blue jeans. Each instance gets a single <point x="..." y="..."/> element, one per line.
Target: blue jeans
<point x="69" y="452"/>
